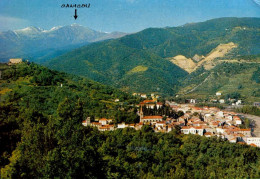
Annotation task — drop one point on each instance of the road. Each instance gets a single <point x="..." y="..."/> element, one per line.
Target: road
<point x="256" y="124"/>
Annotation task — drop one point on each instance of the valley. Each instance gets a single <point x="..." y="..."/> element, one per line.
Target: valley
<point x="170" y="61"/>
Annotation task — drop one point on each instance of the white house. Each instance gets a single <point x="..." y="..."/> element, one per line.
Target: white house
<point x="192" y="130"/>
<point x="105" y="121"/>
<point x="143" y="96"/>
<point x="159" y="105"/>
<point x="218" y="94"/>
<point x="122" y="125"/>
<point x="221" y="101"/>
<point x="239" y="102"/>
<point x="15" y="61"/>
<point x="238" y="121"/>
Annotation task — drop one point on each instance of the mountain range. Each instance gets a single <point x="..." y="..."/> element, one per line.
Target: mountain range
<point x="40" y="45"/>
<point x="164" y="60"/>
<point x="195" y="60"/>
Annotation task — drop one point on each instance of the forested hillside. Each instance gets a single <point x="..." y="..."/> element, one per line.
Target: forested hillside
<point x="113" y="63"/>
<point x="34" y="97"/>
<point x="140" y="62"/>
<point x="42" y="136"/>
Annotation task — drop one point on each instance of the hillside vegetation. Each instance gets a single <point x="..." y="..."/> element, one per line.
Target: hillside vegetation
<point x="227" y="78"/>
<point x="33" y="96"/>
<point x="200" y="44"/>
<point x="113" y="63"/>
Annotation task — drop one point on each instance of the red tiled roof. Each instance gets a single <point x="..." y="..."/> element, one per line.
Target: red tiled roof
<point x="214" y="123"/>
<point x="234" y="138"/>
<point x="253" y="145"/>
<point x="103" y="119"/>
<point x="109" y="125"/>
<point x="103" y="127"/>
<point x="208" y="133"/>
<point x="197" y="108"/>
<point x="233" y="130"/>
<point x="242" y="143"/>
<point x="147" y="101"/>
<point x="245" y="130"/>
<point x="239" y="135"/>
<point x="152" y="117"/>
<point x="185" y="127"/>
<point x="199" y="127"/>
<point x="198" y="122"/>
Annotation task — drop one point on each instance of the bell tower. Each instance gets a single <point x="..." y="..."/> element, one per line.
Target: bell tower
<point x="141" y="113"/>
<point x="88" y="121"/>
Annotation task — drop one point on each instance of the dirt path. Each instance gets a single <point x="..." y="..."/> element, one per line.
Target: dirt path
<point x="199" y="84"/>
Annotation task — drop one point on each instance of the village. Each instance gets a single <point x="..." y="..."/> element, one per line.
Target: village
<point x="203" y="121"/>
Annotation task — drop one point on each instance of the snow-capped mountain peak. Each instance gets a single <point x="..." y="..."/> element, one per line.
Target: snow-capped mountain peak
<point x="53" y="29"/>
<point x="28" y="30"/>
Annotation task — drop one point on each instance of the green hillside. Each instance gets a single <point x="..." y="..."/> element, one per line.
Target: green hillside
<point x="227" y="78"/>
<point x="114" y="62"/>
<point x="33" y="97"/>
<point x="31" y="85"/>
<point x="199" y="38"/>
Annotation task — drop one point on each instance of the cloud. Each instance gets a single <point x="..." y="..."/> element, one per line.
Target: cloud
<point x="10" y="23"/>
<point x="257" y="2"/>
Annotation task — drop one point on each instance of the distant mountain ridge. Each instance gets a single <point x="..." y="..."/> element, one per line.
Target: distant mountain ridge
<point x="30" y="42"/>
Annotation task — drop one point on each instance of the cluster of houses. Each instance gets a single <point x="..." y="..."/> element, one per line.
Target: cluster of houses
<point x="234" y="102"/>
<point x="204" y="121"/>
<point x="143" y="95"/>
<point x="211" y="121"/>
<point x="218" y="99"/>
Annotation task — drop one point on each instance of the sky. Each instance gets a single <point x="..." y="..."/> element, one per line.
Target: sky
<point x="120" y="15"/>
